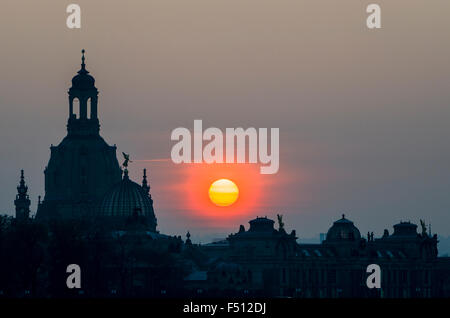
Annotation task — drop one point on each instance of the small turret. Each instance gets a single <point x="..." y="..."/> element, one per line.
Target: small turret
<point x="145" y="185"/>
<point x="22" y="201"/>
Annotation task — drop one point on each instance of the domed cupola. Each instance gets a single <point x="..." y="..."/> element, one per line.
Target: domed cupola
<point x="343" y="230"/>
<point x="128" y="201"/>
<point x="83" y="99"/>
<point x="261" y="224"/>
<point x="83" y="81"/>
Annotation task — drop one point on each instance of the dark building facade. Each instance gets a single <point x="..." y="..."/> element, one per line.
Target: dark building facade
<point x="83" y="167"/>
<point x="83" y="179"/>
<point x="264" y="261"/>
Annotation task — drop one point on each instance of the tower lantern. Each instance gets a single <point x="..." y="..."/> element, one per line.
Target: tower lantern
<point x="83" y="100"/>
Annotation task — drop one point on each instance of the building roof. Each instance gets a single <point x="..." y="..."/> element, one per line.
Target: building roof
<point x="128" y="199"/>
<point x="83" y="81"/>
<point x="343" y="230"/>
<point x="261" y="224"/>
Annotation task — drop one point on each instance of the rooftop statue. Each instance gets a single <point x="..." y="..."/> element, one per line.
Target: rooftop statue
<point x="424" y="227"/>
<point x="127" y="159"/>
<point x="280" y="222"/>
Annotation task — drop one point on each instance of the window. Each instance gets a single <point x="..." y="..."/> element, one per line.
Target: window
<point x="89" y="108"/>
<point x="76" y="107"/>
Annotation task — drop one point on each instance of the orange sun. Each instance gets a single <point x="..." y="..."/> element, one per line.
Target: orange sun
<point x="223" y="192"/>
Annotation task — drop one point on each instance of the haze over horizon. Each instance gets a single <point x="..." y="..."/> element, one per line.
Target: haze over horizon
<point x="363" y="115"/>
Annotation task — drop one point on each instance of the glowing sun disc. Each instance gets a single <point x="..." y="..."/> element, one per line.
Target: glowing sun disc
<point x="223" y="192"/>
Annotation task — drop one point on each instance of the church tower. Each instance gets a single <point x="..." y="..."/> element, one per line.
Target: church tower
<point x="22" y="201"/>
<point x="84" y="95"/>
<point x="83" y="167"/>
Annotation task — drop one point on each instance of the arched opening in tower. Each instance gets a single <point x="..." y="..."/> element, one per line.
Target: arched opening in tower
<point x="89" y="108"/>
<point x="76" y="107"/>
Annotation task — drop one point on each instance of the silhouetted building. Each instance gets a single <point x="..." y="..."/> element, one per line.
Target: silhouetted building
<point x="264" y="261"/>
<point x="127" y="201"/>
<point x="83" y="167"/>
<point x="107" y="223"/>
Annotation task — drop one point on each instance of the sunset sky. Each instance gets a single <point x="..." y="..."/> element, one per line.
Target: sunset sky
<point x="363" y="114"/>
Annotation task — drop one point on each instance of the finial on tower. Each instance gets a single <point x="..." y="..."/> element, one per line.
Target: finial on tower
<point x="82" y="59"/>
<point x="22" y="188"/>
<point x="145" y="185"/>
<point x="343" y="216"/>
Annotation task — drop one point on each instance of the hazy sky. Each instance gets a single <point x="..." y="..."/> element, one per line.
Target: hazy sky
<point x="363" y="114"/>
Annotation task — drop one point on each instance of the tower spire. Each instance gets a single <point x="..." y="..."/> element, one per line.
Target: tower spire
<point x="83" y="66"/>
<point x="145" y="185"/>
<point x="83" y="96"/>
<point x="22" y="201"/>
<point x="83" y="69"/>
<point x="22" y="181"/>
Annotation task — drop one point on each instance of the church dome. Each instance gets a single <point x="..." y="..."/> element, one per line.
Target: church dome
<point x="128" y="200"/>
<point x="343" y="230"/>
<point x="83" y="81"/>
